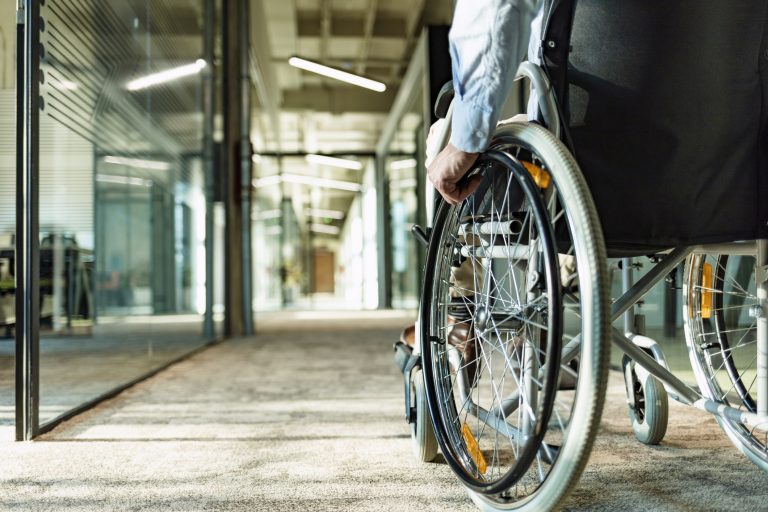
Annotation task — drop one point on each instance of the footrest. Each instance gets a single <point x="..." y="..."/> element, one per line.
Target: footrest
<point x="406" y="361"/>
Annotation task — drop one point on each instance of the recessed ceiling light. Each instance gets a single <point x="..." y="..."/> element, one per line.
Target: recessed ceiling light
<point x="123" y="180"/>
<point x="66" y="85"/>
<point x="313" y="181"/>
<point x="406" y="183"/>
<point x="322" y="182"/>
<point x="334" y="162"/>
<point x="409" y="163"/>
<point x="322" y="228"/>
<point x="327" y="214"/>
<point x="268" y="214"/>
<point x="337" y="74"/>
<point x="267" y="181"/>
<point x="157" y="165"/>
<point x="166" y="75"/>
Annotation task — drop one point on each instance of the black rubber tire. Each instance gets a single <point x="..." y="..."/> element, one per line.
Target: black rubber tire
<point x="650" y="417"/>
<point x="422" y="435"/>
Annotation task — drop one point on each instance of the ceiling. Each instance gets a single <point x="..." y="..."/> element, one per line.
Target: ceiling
<point x="373" y="38"/>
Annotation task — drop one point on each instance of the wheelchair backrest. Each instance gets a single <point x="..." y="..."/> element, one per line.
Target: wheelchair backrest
<point x="666" y="103"/>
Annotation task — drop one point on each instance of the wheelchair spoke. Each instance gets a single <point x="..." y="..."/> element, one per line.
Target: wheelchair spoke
<point x="722" y="337"/>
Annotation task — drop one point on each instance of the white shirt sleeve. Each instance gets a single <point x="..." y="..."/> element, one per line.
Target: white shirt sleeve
<point x="488" y="40"/>
<point x="534" y="57"/>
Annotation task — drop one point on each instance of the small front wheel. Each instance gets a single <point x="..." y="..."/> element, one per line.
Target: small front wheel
<point x="648" y="404"/>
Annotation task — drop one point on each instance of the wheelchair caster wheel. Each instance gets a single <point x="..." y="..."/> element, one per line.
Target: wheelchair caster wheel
<point x="422" y="435"/>
<point x="648" y="403"/>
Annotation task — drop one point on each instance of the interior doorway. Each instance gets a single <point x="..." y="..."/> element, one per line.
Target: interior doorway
<point x="323" y="271"/>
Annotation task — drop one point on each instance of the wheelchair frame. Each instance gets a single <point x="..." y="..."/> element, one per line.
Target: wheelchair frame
<point x="679" y="390"/>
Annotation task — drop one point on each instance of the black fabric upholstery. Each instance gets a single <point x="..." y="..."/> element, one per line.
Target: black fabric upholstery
<point x="666" y="107"/>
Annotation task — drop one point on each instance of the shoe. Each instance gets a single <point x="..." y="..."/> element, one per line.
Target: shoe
<point x="408" y="336"/>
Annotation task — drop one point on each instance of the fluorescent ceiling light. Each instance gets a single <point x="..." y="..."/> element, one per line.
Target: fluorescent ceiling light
<point x="407" y="183"/>
<point x="334" y="162"/>
<point x="268" y="214"/>
<point x="166" y="76"/>
<point x="307" y="180"/>
<point x="123" y="180"/>
<point x="140" y="163"/>
<point x="326" y="214"/>
<point x="409" y="163"/>
<point x="267" y="181"/>
<point x="322" y="182"/>
<point x="66" y="85"/>
<point x="322" y="228"/>
<point x="337" y="74"/>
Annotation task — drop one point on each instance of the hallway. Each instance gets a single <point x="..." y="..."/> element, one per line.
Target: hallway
<point x="311" y="419"/>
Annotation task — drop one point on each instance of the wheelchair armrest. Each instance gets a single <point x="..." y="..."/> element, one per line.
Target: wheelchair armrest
<point x="543" y="89"/>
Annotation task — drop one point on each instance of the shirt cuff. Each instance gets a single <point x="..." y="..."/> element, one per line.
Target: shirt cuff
<point x="471" y="127"/>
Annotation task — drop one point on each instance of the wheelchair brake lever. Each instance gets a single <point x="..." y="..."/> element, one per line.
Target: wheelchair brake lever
<point x="419" y="234"/>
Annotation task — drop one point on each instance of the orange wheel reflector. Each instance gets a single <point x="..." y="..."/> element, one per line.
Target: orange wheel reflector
<point x="706" y="290"/>
<point x="474" y="449"/>
<point x="539" y="175"/>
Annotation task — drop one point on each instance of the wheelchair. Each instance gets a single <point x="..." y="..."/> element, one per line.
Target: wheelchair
<point x="516" y="421"/>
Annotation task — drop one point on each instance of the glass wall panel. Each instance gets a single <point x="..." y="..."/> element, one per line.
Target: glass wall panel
<point x="357" y="276"/>
<point x="122" y="202"/>
<point x="404" y="167"/>
<point x="270" y="237"/>
<point x="7" y="214"/>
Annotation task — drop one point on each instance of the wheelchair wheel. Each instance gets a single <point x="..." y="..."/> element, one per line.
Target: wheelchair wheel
<point x="718" y="294"/>
<point x="422" y="435"/>
<point x="522" y="262"/>
<point x="649" y="410"/>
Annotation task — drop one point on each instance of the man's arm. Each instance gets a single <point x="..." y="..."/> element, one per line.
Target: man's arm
<point x="488" y="39"/>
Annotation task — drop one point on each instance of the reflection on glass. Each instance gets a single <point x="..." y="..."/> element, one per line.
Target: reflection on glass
<point x="122" y="204"/>
<point x="269" y="248"/>
<point x="7" y="214"/>
<point x="404" y="166"/>
<point x="403" y="212"/>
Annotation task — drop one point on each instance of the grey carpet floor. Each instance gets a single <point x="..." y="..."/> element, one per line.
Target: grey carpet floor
<point x="313" y="421"/>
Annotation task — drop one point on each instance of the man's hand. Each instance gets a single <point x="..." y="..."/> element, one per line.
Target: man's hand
<point x="446" y="171"/>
